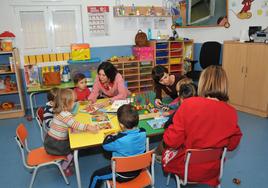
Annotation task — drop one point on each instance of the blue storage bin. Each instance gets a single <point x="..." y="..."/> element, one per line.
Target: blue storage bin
<point x="162" y="61"/>
<point x="161" y="53"/>
<point x="163" y="45"/>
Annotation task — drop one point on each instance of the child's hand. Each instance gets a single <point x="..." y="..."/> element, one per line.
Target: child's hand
<point x="158" y="102"/>
<point x="165" y="114"/>
<point x="93" y="128"/>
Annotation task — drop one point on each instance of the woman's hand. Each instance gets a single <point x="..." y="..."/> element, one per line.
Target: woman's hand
<point x="158" y="103"/>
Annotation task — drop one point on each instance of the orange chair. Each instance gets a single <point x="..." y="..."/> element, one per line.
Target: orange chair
<point x="38" y="157"/>
<point x="132" y="163"/>
<point x="40" y="121"/>
<point x="199" y="156"/>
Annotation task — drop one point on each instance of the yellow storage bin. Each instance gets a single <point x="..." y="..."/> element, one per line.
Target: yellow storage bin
<point x="80" y="51"/>
<point x="175" y="61"/>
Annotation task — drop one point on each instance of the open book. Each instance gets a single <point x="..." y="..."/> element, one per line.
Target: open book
<point x="157" y="123"/>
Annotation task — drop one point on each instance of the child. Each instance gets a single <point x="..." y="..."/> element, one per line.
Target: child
<point x="48" y="110"/>
<point x="185" y="91"/>
<point x="81" y="90"/>
<point x="56" y="141"/>
<point x="131" y="141"/>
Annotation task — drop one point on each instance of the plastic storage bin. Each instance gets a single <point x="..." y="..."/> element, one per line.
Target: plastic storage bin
<point x="161" y="53"/>
<point x="162" y="45"/>
<point x="162" y="61"/>
<point x="88" y="68"/>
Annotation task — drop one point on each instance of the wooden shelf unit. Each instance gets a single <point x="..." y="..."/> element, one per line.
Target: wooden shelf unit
<point x="140" y="11"/>
<point x="246" y="68"/>
<point x="14" y="96"/>
<point x="136" y="73"/>
<point x="171" y="54"/>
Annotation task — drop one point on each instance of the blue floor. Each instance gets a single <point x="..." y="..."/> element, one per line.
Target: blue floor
<point x="249" y="162"/>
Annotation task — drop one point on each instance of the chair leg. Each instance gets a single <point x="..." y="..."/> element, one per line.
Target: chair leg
<point x="33" y="177"/>
<point x="168" y="178"/>
<point x="62" y="173"/>
<point x="178" y="182"/>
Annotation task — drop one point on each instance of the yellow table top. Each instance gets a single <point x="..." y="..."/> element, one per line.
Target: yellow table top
<point x="87" y="139"/>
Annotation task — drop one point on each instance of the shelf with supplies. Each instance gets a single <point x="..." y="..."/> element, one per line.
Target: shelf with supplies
<point x="137" y="74"/>
<point x="11" y="96"/>
<point x="171" y="54"/>
<point x="140" y="11"/>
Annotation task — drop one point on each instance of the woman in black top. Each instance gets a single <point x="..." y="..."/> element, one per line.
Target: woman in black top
<point x="166" y="82"/>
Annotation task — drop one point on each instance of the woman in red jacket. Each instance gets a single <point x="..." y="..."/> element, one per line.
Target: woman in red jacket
<point x="202" y="122"/>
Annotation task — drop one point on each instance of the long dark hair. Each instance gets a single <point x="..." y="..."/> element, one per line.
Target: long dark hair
<point x="109" y="70"/>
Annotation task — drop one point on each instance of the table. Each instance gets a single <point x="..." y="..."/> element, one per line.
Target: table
<point x="85" y="139"/>
<point x="40" y="89"/>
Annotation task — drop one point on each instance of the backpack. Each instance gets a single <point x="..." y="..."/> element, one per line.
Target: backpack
<point x="141" y="39"/>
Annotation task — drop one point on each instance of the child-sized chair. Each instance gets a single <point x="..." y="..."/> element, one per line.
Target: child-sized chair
<point x="40" y="122"/>
<point x="132" y="163"/>
<point x="38" y="157"/>
<point x="199" y="156"/>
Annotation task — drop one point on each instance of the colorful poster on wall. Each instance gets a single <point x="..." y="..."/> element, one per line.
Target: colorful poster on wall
<point x="98" y="20"/>
<point x="245" y="11"/>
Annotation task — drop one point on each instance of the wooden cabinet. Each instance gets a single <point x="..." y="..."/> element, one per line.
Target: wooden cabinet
<point x="11" y="100"/>
<point x="136" y="73"/>
<point x="171" y="54"/>
<point x="246" y="65"/>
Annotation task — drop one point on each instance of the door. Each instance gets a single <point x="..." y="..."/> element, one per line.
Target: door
<point x="255" y="89"/>
<point x="234" y="58"/>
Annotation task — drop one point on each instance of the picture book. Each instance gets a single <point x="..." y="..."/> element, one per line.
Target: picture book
<point x="102" y="120"/>
<point x="157" y="123"/>
<point x="99" y="118"/>
<point x="31" y="74"/>
<point x="89" y="109"/>
<point x="117" y="103"/>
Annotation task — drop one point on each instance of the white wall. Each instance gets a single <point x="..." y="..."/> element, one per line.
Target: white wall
<point x="220" y="34"/>
<point x="120" y="36"/>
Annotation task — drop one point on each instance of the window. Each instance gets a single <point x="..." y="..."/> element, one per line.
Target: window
<point x="46" y="29"/>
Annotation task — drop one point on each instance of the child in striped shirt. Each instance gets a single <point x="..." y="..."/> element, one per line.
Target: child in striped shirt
<point x="48" y="110"/>
<point x="57" y="140"/>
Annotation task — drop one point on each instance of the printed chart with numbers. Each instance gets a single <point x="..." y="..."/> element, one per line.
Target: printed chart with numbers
<point x="97" y="19"/>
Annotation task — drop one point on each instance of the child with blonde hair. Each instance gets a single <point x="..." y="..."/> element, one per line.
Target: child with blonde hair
<point x="57" y="141"/>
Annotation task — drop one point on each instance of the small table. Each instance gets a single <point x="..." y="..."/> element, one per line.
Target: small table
<point x="85" y="139"/>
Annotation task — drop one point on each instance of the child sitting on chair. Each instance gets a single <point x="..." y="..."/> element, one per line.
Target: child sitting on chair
<point x="131" y="141"/>
<point x="48" y="110"/>
<point x="57" y="141"/>
<point x="81" y="90"/>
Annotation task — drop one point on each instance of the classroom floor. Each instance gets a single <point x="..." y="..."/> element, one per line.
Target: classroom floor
<point x="248" y="163"/>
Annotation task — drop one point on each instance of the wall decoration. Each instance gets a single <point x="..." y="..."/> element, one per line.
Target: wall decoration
<point x="259" y="12"/>
<point x="97" y="20"/>
<point x="245" y="11"/>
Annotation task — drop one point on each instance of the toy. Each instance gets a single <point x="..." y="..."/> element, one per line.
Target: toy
<point x="7" y="105"/>
<point x="236" y="181"/>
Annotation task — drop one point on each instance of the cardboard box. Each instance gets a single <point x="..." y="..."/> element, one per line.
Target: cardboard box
<point x="80" y="51"/>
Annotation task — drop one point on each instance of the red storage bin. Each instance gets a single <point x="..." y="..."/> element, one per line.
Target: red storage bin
<point x="175" y="45"/>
